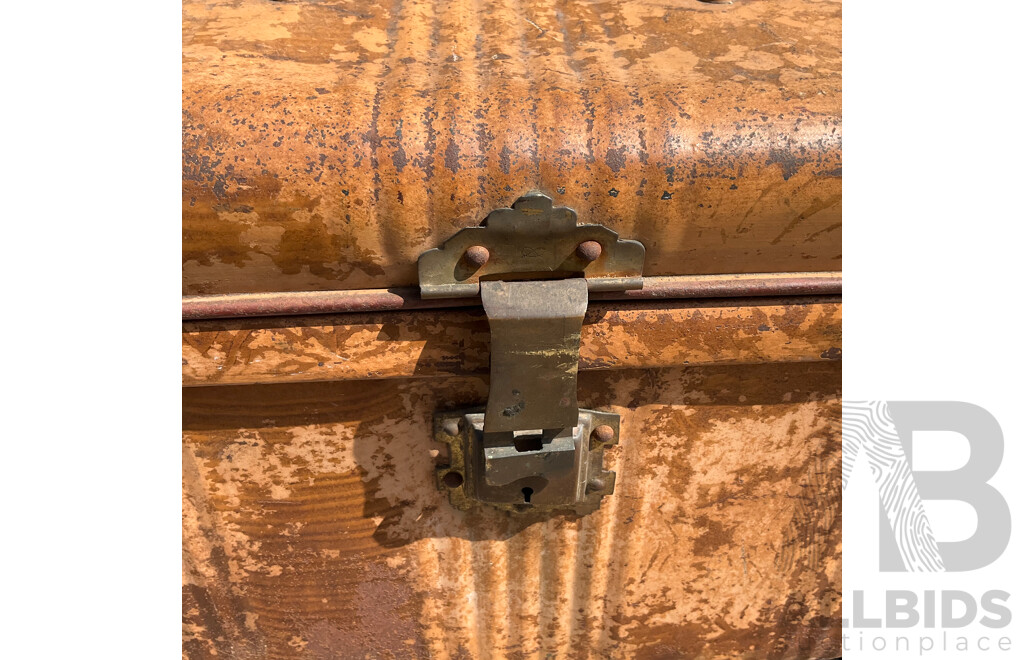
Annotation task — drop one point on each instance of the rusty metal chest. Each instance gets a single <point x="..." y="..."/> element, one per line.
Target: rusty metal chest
<point x="511" y="329"/>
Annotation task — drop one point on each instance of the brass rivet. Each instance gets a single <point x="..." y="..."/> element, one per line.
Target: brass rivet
<point x="604" y="433"/>
<point x="477" y="255"/>
<point x="588" y="250"/>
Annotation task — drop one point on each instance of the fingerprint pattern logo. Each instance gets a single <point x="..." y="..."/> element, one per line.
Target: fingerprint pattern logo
<point x="868" y="427"/>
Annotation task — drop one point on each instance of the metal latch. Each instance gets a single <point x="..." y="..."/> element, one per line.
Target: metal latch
<point x="532" y="447"/>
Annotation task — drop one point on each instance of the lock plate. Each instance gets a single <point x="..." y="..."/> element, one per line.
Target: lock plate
<point x="525" y="472"/>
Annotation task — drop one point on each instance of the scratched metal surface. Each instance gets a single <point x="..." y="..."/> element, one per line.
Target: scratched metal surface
<point x="326" y="144"/>
<point x="313" y="528"/>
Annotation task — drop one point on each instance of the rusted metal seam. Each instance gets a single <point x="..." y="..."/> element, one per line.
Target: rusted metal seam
<point x="679" y="287"/>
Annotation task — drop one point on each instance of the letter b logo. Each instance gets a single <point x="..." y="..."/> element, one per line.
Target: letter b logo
<point x="883" y="432"/>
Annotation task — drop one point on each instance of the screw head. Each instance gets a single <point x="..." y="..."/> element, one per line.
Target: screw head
<point x="477" y="255"/>
<point x="588" y="250"/>
<point x="604" y="433"/>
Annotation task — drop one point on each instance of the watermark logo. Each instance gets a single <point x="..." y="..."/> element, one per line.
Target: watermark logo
<point x="883" y="431"/>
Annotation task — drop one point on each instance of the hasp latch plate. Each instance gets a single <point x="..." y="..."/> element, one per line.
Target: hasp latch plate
<point x="532" y="448"/>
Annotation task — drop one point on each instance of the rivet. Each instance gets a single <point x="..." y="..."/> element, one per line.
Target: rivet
<point x="588" y="250"/>
<point x="477" y="255"/>
<point x="595" y="485"/>
<point x="604" y="433"/>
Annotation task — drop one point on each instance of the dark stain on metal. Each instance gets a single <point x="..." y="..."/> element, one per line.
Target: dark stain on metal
<point x="616" y="158"/>
<point x="451" y="156"/>
<point x="514" y="409"/>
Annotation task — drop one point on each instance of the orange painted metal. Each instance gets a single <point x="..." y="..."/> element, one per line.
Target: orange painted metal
<point x="327" y="144"/>
<point x="449" y="343"/>
<point x="313" y="527"/>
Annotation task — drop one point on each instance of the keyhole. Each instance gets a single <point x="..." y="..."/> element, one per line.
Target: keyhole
<point x="527" y="492"/>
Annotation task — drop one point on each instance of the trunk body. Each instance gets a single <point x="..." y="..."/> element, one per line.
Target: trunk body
<point x="327" y="144"/>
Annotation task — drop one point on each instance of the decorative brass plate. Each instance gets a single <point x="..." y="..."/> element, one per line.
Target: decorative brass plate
<point x="531" y="240"/>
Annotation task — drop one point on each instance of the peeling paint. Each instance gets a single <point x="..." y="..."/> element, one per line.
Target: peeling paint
<point x="723" y="532"/>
